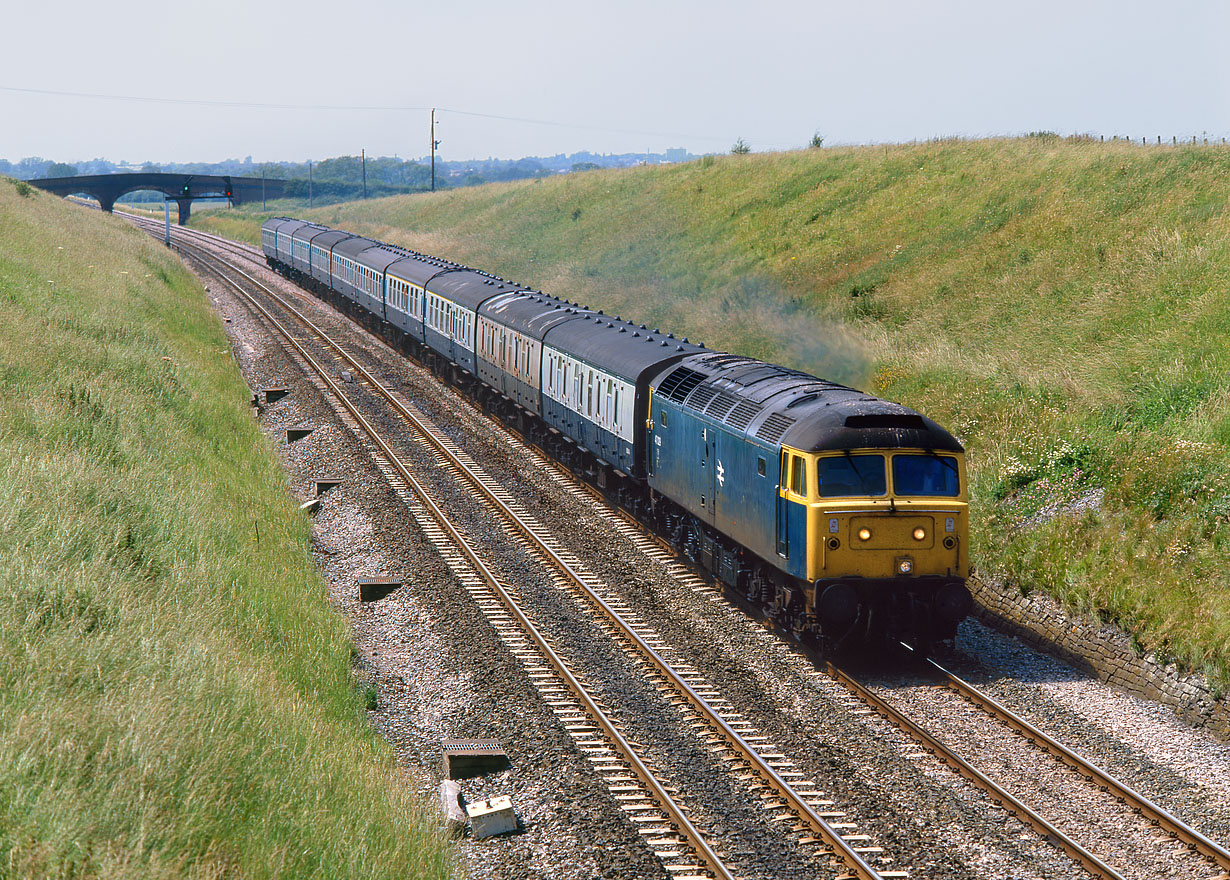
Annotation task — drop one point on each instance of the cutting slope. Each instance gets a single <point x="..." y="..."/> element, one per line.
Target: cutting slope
<point x="176" y="695"/>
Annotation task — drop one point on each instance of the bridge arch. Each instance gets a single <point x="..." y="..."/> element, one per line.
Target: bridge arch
<point x="183" y="188"/>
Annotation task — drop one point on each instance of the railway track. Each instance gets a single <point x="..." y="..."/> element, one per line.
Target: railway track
<point x="727" y="730"/>
<point x="1205" y="857"/>
<point x="787" y="802"/>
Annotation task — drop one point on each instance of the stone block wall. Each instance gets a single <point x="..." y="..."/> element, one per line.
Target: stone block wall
<point x="1100" y="650"/>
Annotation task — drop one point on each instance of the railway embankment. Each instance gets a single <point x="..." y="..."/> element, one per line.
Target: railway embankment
<point x="177" y="695"/>
<point x="1059" y="303"/>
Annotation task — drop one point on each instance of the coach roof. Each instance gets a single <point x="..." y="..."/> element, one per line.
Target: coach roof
<point x="618" y="347"/>
<point x="529" y="312"/>
<point x="468" y="287"/>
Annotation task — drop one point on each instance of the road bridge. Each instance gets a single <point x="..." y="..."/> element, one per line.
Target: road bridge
<point x="183" y="188"/>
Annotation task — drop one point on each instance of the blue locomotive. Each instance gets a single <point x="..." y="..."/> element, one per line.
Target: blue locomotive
<point x="843" y="517"/>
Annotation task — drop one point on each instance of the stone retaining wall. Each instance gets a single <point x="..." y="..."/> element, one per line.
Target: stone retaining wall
<point x="1100" y="650"/>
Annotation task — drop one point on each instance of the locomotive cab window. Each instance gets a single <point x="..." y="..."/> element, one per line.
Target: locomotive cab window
<point x="798" y="475"/>
<point x="847" y="475"/>
<point x="926" y="475"/>
<point x="760" y="466"/>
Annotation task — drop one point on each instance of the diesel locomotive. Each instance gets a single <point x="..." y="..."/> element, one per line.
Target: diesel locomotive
<point x="842" y="516"/>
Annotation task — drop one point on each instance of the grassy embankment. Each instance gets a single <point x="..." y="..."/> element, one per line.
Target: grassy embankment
<point x="176" y="692"/>
<point x="1061" y="305"/>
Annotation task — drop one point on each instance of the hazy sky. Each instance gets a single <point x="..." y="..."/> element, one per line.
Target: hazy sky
<point x="617" y="77"/>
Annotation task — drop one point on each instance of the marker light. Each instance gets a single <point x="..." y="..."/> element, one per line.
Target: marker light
<point x="864" y="534"/>
<point x="905" y="566"/>
<point x="920" y="533"/>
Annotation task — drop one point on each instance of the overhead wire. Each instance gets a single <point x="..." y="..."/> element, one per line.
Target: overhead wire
<point x="377" y="108"/>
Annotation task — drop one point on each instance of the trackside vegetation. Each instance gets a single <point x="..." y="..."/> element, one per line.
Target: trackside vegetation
<point x="1062" y="304"/>
<point x="176" y="692"/>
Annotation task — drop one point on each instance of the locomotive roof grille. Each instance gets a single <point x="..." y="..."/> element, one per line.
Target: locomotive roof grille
<point x="699" y="398"/>
<point x="742" y="414"/>
<point x="774" y="427"/>
<point x="680" y="383"/>
<point x="721" y="405"/>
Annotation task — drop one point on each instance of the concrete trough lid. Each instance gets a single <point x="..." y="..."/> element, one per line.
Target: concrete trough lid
<point x="491" y="817"/>
<point x="472" y="757"/>
<point x="273" y="395"/>
<point x="375" y="589"/>
<point x="293" y="434"/>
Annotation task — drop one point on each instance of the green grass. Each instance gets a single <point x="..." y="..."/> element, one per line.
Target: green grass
<point x="176" y="695"/>
<point x="1061" y="304"/>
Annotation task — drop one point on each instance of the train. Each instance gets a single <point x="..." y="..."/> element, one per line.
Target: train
<point x="842" y="518"/>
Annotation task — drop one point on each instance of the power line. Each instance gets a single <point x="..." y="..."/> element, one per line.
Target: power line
<point x="203" y="103"/>
<point x="379" y="108"/>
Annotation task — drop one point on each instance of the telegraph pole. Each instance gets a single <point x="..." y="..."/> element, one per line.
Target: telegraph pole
<point x="434" y="143"/>
<point x="309" y="183"/>
<point x="364" y="172"/>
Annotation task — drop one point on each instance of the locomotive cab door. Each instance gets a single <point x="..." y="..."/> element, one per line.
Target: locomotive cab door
<point x="707" y="481"/>
<point x="783" y="509"/>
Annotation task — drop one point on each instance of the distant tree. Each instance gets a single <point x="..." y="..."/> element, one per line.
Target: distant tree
<point x="347" y="168"/>
<point x="817" y="140"/>
<point x="31" y="167"/>
<point x="585" y="166"/>
<point x="60" y="169"/>
<point x="151" y="168"/>
<point x="741" y="146"/>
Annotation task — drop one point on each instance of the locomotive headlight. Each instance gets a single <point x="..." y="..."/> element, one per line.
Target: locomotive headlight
<point x="905" y="565"/>
<point x="920" y="533"/>
<point x="864" y="534"/>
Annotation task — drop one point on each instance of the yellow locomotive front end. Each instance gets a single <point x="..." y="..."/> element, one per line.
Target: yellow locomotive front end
<point x="887" y="542"/>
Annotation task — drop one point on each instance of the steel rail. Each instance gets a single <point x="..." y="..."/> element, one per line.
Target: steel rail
<point x="1082" y="856"/>
<point x="713" y="861"/>
<point x="748" y="753"/>
<point x="1151" y="811"/>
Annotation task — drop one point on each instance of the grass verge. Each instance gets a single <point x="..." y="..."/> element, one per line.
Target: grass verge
<point x="176" y="691"/>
